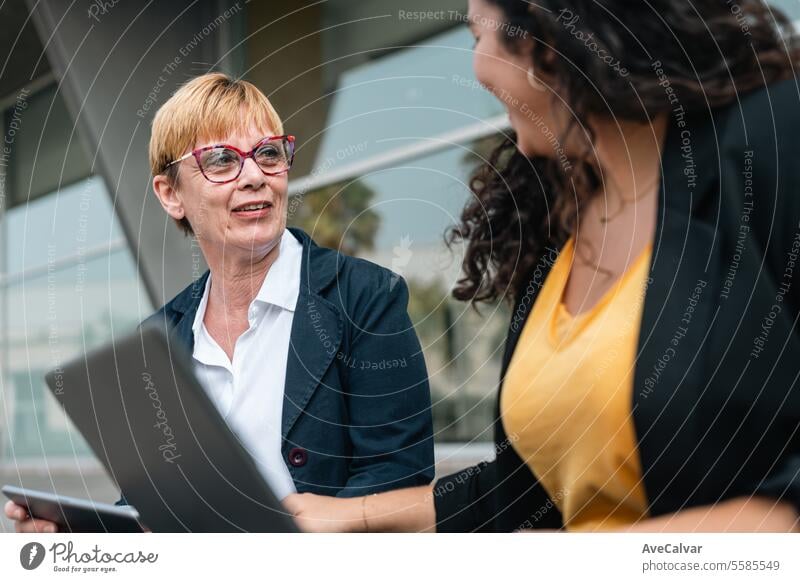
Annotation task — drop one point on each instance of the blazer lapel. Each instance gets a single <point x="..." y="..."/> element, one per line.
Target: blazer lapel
<point x="316" y="336"/>
<point x="186" y="307"/>
<point x="679" y="308"/>
<point x="177" y="317"/>
<point x="182" y="332"/>
<point x="316" y="330"/>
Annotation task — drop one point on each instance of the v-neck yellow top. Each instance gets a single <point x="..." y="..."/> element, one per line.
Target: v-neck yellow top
<point x="567" y="398"/>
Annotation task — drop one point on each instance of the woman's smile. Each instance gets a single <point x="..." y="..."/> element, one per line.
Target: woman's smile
<point x="253" y="210"/>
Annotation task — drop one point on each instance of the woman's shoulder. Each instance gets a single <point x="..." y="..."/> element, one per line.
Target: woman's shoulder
<point x="361" y="289"/>
<point x="358" y="275"/>
<point x="758" y="139"/>
<point x="756" y="142"/>
<point x="330" y="268"/>
<point x="768" y="117"/>
<point x="781" y="97"/>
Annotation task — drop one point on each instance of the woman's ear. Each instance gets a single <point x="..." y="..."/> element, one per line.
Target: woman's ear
<point x="167" y="195"/>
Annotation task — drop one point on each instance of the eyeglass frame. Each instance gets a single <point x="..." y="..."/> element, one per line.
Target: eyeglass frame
<point x="243" y="156"/>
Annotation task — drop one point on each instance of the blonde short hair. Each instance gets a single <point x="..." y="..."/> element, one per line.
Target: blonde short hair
<point x="209" y="107"/>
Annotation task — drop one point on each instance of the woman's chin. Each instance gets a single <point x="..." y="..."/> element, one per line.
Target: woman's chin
<point x="531" y="149"/>
<point x="527" y="149"/>
<point x="254" y="240"/>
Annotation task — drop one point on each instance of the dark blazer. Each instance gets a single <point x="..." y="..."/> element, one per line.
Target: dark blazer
<point x="716" y="403"/>
<point x="356" y="407"/>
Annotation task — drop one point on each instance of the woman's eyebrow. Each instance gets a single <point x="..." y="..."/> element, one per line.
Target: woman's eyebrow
<point x="207" y="143"/>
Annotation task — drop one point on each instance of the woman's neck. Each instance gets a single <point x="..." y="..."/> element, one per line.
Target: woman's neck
<point x="630" y="156"/>
<point x="617" y="223"/>
<point x="237" y="277"/>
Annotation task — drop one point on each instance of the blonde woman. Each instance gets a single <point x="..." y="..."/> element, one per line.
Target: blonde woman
<point x="279" y="328"/>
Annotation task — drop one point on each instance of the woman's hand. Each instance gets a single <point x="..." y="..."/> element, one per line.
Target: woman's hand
<point x="318" y="513"/>
<point x="401" y="510"/>
<point x="24" y="523"/>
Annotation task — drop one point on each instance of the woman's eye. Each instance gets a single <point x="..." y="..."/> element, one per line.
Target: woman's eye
<point x="267" y="151"/>
<point x="268" y="154"/>
<point x="219" y="158"/>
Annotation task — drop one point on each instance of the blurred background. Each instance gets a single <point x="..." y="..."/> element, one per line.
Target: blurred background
<point x="389" y="121"/>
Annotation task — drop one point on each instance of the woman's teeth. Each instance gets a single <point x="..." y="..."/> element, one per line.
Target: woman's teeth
<point x="253" y="207"/>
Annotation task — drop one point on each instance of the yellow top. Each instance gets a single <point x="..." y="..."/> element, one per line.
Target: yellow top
<point x="567" y="396"/>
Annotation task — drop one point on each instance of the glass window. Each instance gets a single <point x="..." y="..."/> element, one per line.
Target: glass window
<point x="67" y="278"/>
<point x="71" y="221"/>
<point x="68" y="282"/>
<point x="411" y="94"/>
<point x="51" y="319"/>
<point x="397" y="217"/>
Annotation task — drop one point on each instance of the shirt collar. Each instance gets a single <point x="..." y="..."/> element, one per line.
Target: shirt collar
<point x="281" y="286"/>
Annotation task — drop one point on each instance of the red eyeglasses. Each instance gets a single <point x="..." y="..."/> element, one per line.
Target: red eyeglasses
<point x="221" y="164"/>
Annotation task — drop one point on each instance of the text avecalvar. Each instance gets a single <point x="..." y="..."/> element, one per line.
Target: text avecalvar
<point x="671" y="549"/>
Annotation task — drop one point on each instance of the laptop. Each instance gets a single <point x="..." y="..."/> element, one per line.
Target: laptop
<point x="140" y="407"/>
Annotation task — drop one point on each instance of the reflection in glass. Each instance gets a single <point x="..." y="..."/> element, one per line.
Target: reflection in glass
<point x="74" y="219"/>
<point x="51" y="319"/>
<point x="406" y="97"/>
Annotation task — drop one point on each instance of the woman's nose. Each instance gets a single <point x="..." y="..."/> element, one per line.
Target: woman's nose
<point x="251" y="175"/>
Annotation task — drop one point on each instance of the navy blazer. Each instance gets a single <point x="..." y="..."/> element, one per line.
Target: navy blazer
<point x="356" y="406"/>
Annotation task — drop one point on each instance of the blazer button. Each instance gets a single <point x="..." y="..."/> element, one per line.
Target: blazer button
<point x="298" y="457"/>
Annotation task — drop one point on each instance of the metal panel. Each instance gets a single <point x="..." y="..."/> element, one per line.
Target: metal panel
<point x="117" y="62"/>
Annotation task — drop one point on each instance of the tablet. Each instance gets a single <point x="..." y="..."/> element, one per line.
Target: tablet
<point x="75" y="515"/>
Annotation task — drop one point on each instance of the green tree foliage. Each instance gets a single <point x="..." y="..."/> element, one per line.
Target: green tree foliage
<point x="339" y="217"/>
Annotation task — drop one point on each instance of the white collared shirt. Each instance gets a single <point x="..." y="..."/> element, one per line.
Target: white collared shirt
<point x="248" y="391"/>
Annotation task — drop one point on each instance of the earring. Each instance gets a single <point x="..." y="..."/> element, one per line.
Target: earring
<point x="534" y="82"/>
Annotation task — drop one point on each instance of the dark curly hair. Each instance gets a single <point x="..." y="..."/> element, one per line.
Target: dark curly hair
<point x="709" y="51"/>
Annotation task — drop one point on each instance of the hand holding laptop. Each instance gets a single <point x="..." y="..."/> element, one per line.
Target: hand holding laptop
<point x="115" y="396"/>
